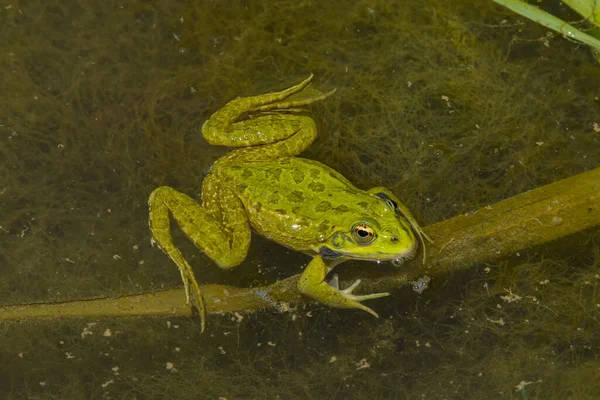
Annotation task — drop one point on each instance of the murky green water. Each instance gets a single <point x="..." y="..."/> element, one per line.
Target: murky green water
<point x="453" y="105"/>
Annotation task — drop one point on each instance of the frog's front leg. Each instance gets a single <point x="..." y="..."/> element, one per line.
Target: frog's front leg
<point x="225" y="240"/>
<point x="312" y="283"/>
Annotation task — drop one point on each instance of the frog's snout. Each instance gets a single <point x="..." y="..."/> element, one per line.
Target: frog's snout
<point x="409" y="255"/>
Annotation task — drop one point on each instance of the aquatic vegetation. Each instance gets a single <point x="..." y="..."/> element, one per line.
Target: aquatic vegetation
<point x="444" y="103"/>
<point x="589" y="9"/>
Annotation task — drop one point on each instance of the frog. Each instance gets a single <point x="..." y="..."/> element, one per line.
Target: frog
<point x="302" y="204"/>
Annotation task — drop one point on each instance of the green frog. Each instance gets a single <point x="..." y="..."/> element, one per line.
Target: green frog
<point x="298" y="203"/>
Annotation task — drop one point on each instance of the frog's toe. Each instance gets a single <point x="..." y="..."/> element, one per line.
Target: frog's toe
<point x="354" y="301"/>
<point x="348" y="293"/>
<point x="194" y="298"/>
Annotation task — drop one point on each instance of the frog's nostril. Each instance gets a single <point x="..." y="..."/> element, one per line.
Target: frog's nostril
<point x="394" y="239"/>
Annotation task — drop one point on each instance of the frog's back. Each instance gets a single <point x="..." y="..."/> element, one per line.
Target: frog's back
<point x="295" y="199"/>
<point x="284" y="173"/>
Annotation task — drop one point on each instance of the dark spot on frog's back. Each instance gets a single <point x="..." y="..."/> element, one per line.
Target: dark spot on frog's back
<point x="316" y="187"/>
<point x="298" y="176"/>
<point x="246" y="173"/>
<point x="295" y="196"/>
<point x="273" y="198"/>
<point x="273" y="174"/>
<point x="324" y="226"/>
<point x="342" y="209"/>
<point x="323" y="206"/>
<point x="314" y="172"/>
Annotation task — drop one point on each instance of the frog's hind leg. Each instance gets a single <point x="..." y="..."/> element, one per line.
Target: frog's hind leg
<point x="227" y="244"/>
<point x="271" y="117"/>
<point x="304" y="133"/>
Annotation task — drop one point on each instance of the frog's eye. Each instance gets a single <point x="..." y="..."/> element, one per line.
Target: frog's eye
<point x="363" y="233"/>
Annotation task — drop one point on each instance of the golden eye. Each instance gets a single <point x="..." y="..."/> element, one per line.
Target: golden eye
<point x="363" y="233"/>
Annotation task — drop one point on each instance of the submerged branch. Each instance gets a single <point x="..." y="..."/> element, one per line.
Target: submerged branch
<point x="523" y="221"/>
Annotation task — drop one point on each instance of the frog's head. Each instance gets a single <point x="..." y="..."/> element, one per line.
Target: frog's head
<point x="383" y="235"/>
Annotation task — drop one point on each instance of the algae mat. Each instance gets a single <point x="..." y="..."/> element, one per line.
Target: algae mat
<point x="453" y="106"/>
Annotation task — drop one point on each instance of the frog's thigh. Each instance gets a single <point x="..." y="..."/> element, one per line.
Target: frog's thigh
<point x="222" y="245"/>
<point x="234" y="225"/>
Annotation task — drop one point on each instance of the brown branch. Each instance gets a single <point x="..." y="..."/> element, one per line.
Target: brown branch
<point x="529" y="219"/>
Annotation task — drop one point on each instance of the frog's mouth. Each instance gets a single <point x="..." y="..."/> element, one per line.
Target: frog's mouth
<point x="396" y="259"/>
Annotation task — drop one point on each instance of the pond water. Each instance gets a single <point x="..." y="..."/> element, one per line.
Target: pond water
<point x="450" y="105"/>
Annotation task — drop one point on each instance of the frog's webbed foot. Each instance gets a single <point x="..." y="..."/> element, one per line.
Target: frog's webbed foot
<point x="312" y="283"/>
<point x="356" y="299"/>
<point x="193" y="294"/>
<point x="293" y="99"/>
